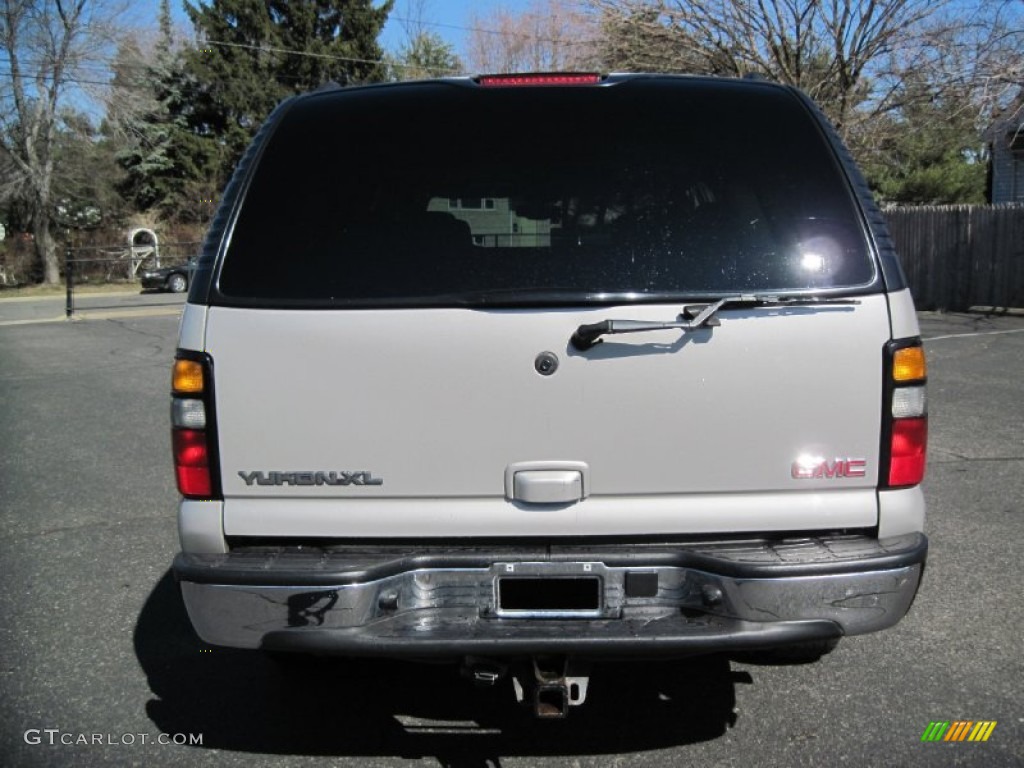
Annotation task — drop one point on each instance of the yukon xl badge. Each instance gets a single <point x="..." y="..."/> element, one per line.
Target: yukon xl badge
<point x="310" y="478"/>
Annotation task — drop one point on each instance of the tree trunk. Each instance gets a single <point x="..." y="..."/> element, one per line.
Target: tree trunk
<point x="46" y="249"/>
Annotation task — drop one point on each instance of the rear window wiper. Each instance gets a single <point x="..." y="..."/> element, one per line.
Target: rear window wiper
<point x="692" y="317"/>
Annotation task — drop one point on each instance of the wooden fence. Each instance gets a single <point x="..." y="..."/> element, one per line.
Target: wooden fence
<point x="962" y="256"/>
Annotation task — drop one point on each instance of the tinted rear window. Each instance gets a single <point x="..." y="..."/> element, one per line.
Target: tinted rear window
<point x="443" y="193"/>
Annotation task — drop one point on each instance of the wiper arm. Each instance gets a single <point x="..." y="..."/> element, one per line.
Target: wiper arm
<point x="587" y="336"/>
<point x="692" y="319"/>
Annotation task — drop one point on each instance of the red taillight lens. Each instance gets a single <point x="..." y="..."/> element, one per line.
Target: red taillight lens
<point x="907" y="451"/>
<point x="576" y="78"/>
<point x="191" y="462"/>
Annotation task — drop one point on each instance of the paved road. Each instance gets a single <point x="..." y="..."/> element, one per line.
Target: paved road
<point x="94" y="644"/>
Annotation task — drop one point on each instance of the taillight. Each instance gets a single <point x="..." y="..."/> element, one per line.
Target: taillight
<point x="908" y="449"/>
<point x="191" y="462"/>
<point x="568" y="78"/>
<point x="191" y="426"/>
<point x="905" y="418"/>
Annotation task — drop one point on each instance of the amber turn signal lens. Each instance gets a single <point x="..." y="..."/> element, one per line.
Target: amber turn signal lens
<point x="187" y="377"/>
<point x="908" y="364"/>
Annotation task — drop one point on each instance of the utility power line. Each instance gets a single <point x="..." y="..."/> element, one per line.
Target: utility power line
<point x="107" y="64"/>
<point x="498" y="32"/>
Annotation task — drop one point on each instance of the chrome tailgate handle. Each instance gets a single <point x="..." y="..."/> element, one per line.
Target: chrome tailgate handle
<point x="546" y="482"/>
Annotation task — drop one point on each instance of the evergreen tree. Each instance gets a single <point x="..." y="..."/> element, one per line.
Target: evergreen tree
<point x="138" y="121"/>
<point x="254" y="53"/>
<point x="929" y="152"/>
<point x="229" y="84"/>
<point x="425" y="55"/>
<point x="191" y="185"/>
<point x="157" y="152"/>
<point x="85" y="180"/>
<point x="337" y="37"/>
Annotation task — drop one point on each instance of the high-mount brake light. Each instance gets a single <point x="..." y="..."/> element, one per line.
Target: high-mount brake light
<point x="575" y="78"/>
<point x="191" y="422"/>
<point x="905" y="426"/>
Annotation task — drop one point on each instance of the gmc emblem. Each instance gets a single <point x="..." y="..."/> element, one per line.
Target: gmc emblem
<point x="822" y="469"/>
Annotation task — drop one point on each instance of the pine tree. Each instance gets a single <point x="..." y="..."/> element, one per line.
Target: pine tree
<point x="425" y="55"/>
<point x="930" y="151"/>
<point x="254" y="53"/>
<point x="338" y="38"/>
<point x="144" y="88"/>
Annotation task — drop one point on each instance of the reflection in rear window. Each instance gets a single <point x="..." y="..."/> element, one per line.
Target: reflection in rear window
<point x="649" y="188"/>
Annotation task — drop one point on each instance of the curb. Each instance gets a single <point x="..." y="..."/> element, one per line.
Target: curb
<point x="63" y="297"/>
<point x="82" y="315"/>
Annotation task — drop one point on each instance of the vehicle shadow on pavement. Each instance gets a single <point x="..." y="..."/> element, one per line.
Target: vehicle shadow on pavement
<point x="244" y="701"/>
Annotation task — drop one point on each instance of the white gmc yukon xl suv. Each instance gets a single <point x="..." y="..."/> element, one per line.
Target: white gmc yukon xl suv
<point x="527" y="371"/>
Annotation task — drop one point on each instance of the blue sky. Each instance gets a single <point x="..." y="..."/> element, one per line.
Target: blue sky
<point x="448" y="18"/>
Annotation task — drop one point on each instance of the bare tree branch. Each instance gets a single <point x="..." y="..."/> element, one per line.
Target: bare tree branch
<point x="551" y="35"/>
<point x="44" y="43"/>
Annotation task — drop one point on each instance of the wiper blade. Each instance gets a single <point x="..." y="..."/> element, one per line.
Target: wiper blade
<point x="692" y="318"/>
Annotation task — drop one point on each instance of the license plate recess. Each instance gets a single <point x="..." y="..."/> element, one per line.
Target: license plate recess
<point x="550" y="590"/>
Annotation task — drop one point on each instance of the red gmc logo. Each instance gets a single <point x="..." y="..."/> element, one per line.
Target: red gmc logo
<point x="822" y="469"/>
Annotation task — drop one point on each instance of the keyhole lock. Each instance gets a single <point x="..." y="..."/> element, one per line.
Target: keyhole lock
<point x="546" y="363"/>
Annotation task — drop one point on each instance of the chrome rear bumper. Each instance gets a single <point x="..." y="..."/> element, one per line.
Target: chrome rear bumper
<point x="615" y="600"/>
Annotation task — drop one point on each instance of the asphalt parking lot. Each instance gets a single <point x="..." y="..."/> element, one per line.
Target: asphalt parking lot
<point x="98" y="664"/>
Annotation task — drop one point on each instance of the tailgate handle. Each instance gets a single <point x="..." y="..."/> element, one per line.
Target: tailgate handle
<point x="546" y="482"/>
